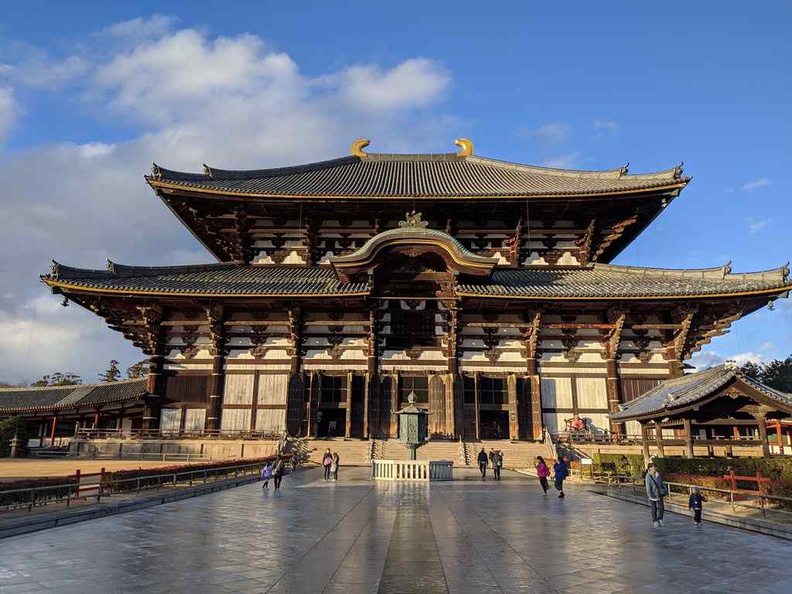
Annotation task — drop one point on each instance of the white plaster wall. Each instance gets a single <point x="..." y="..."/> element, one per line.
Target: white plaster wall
<point x="238" y="389"/>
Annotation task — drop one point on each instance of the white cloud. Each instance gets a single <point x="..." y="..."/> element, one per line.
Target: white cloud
<point x="227" y="101"/>
<point x="757" y="183"/>
<point x="141" y="28"/>
<point x="604" y="126"/>
<point x="766" y="346"/>
<point x="706" y="359"/>
<point x="415" y="82"/>
<point x="566" y="161"/>
<point x="8" y="112"/>
<point x="552" y="133"/>
<point x="756" y="225"/>
<point x="91" y="150"/>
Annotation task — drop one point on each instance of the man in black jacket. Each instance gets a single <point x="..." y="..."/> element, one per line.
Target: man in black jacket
<point x="482" y="462"/>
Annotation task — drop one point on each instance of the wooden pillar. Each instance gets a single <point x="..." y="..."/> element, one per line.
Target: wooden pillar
<point x="644" y="444"/>
<point x="477" y="405"/>
<point x="454" y="406"/>
<point x="613" y="387"/>
<point x="761" y="419"/>
<point x="216" y="388"/>
<point x="215" y="316"/>
<point x="348" y="423"/>
<point x="96" y="419"/>
<point x="688" y="438"/>
<point x="394" y="418"/>
<point x="535" y="387"/>
<point x="514" y="420"/>
<point x="779" y="437"/>
<point x="314" y="383"/>
<point x="152" y="402"/>
<point x="372" y="367"/>
<point x="366" y="408"/>
<point x="295" y="399"/>
<point x="54" y="427"/>
<point x="659" y="439"/>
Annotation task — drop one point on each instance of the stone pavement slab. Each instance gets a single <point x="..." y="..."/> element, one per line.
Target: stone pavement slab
<point x="356" y="536"/>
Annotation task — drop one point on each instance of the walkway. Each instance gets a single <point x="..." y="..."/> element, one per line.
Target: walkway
<point x="355" y="537"/>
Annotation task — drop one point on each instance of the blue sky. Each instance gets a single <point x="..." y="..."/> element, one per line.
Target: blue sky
<point x="91" y="93"/>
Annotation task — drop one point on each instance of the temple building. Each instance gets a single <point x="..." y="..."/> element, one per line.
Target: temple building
<point x="485" y="287"/>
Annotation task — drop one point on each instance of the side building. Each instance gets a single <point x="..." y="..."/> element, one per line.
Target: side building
<point x="493" y="299"/>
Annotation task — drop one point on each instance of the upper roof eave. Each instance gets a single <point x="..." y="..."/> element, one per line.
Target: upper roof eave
<point x="446" y="175"/>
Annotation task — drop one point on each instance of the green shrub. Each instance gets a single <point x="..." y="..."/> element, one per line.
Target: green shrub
<point x="26" y="497"/>
<point x="777" y="469"/>
<point x="631" y="464"/>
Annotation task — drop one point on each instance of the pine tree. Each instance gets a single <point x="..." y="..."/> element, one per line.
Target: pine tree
<point x="112" y="373"/>
<point x="138" y="370"/>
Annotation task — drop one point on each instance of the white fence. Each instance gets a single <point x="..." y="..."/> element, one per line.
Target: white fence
<point x="412" y="470"/>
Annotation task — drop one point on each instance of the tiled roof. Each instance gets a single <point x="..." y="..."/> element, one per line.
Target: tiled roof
<point x="683" y="391"/>
<point x="208" y="279"/>
<point x="49" y="398"/>
<point x="432" y="175"/>
<point x="592" y="282"/>
<point x="603" y="280"/>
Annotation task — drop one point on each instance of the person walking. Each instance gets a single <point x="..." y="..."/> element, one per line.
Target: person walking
<point x="542" y="471"/>
<point x="497" y="464"/>
<point x="334" y="465"/>
<point x="656" y="491"/>
<point x="560" y="472"/>
<point x="278" y="471"/>
<point x="327" y="461"/>
<point x="266" y="475"/>
<point x="482" y="462"/>
<point x="696" y="503"/>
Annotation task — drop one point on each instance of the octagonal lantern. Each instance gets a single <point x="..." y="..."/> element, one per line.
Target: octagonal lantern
<point x="413" y="426"/>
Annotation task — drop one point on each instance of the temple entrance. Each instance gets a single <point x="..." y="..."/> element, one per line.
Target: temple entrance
<point x="494" y="424"/>
<point x="331" y="422"/>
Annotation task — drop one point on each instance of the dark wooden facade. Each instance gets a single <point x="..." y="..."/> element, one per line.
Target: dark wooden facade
<point x="496" y="304"/>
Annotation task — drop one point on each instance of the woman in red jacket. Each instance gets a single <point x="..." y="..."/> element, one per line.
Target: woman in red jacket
<point x="542" y="471"/>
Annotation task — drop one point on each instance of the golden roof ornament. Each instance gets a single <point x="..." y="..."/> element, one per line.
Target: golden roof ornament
<point x="357" y="147"/>
<point x="466" y="145"/>
<point x="413" y="219"/>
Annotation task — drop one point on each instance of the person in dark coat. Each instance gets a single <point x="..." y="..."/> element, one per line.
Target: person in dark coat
<point x="696" y="503"/>
<point x="560" y="472"/>
<point x="482" y="462"/>
<point x="278" y="471"/>
<point x="327" y="461"/>
<point x="497" y="464"/>
<point x="656" y="491"/>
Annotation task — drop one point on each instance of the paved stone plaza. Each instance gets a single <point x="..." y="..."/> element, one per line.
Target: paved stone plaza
<point x="355" y="536"/>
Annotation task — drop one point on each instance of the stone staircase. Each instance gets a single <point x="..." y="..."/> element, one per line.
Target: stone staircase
<point x="516" y="454"/>
<point x="352" y="452"/>
<point x="393" y="449"/>
<point x="359" y="452"/>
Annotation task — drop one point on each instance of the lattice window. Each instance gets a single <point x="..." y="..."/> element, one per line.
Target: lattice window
<point x="417" y="384"/>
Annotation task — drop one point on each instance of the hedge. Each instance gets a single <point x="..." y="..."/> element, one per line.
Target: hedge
<point x="208" y="469"/>
<point x="777" y="469"/>
<point x="617" y="462"/>
<point x="26" y="497"/>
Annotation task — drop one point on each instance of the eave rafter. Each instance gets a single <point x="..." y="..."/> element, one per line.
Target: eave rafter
<point x="616" y="231"/>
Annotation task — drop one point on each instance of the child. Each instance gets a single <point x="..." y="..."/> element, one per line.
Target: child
<point x="696" y="503"/>
<point x="542" y="471"/>
<point x="266" y="475"/>
<point x="560" y="472"/>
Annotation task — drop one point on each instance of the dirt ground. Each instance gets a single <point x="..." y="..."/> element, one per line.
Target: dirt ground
<point x="14" y="469"/>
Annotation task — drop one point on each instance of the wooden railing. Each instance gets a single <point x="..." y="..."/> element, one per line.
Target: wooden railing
<point x="412" y="470"/>
<point x="173" y="434"/>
